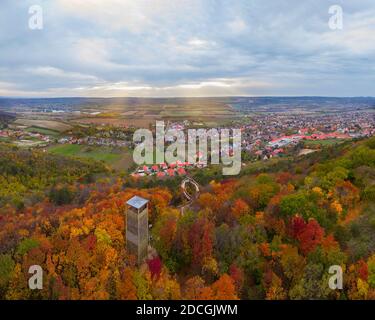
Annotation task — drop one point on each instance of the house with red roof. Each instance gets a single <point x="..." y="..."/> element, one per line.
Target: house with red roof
<point x="170" y="172"/>
<point x="164" y="166"/>
<point x="303" y="131"/>
<point x="181" y="171"/>
<point x="160" y="174"/>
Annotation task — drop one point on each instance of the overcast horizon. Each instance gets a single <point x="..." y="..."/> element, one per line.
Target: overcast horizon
<point x="186" y="97"/>
<point x="186" y="48"/>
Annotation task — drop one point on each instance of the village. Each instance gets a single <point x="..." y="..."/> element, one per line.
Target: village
<point x="164" y="170"/>
<point x="264" y="136"/>
<point x="23" y="138"/>
<point x="276" y="134"/>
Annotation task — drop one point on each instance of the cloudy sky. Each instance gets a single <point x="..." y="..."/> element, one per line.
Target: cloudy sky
<point x="160" y="48"/>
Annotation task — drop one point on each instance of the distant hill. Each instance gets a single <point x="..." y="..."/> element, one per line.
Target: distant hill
<point x="239" y="104"/>
<point x="315" y="104"/>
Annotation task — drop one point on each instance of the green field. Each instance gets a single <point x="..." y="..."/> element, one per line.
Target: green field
<point x="323" y="143"/>
<point x="106" y="154"/>
<point x="44" y="131"/>
<point x="119" y="159"/>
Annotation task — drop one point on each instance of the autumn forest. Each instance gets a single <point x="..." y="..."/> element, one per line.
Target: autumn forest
<point x="268" y="234"/>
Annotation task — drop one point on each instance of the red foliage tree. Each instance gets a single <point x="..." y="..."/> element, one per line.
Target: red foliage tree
<point x="238" y="276"/>
<point x="155" y="267"/>
<point x="224" y="288"/>
<point x="201" y="239"/>
<point x="308" y="234"/>
<point x="239" y="208"/>
<point x="362" y="270"/>
<point x="297" y="226"/>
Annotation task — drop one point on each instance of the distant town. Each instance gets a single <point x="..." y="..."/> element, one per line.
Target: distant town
<point x="266" y="133"/>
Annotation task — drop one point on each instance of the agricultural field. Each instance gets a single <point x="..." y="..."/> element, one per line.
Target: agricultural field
<point x="5" y="139"/>
<point x="118" y="122"/>
<point x="30" y="143"/>
<point x="47" y="132"/>
<point x="124" y="112"/>
<point x="117" y="158"/>
<point x="43" y="124"/>
<point x="143" y="114"/>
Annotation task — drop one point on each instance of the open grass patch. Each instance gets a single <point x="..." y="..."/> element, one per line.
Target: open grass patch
<point x="117" y="158"/>
<point x="44" y="131"/>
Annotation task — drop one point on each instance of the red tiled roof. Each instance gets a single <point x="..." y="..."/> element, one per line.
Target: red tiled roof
<point x="181" y="171"/>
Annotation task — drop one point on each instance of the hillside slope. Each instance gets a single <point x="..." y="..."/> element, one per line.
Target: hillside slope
<point x="270" y="235"/>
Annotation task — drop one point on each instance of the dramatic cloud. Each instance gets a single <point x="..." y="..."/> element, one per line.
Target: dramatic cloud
<point x="186" y="47"/>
